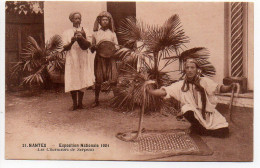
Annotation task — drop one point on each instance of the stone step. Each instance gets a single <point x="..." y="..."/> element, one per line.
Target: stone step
<point x="243" y="100"/>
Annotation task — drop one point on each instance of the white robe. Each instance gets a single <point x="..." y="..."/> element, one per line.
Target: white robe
<point x="214" y="119"/>
<point x="78" y="71"/>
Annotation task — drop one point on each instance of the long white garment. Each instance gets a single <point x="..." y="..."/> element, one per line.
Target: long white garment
<point x="78" y="71"/>
<point x="214" y="119"/>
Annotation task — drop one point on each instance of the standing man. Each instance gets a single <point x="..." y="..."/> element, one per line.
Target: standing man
<point x="104" y="67"/>
<point x="78" y="73"/>
<point x="197" y="97"/>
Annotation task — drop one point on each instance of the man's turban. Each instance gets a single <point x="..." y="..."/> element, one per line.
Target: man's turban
<point x="72" y="15"/>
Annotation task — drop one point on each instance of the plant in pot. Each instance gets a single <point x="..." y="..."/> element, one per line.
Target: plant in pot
<point x="150" y="50"/>
<point x="37" y="62"/>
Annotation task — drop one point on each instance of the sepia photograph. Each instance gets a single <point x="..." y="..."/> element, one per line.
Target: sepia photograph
<point x="129" y="81"/>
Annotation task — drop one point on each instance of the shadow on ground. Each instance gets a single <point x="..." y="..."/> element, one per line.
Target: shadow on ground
<point x="45" y="118"/>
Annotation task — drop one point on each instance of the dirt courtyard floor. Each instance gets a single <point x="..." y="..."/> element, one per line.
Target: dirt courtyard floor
<point x="45" y="119"/>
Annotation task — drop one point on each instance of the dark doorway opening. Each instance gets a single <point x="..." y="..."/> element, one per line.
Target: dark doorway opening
<point x="121" y="10"/>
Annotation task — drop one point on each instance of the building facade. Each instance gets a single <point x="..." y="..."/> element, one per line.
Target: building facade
<point x="225" y="29"/>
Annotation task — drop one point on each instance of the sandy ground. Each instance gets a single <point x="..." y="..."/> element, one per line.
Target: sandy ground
<point x="45" y="118"/>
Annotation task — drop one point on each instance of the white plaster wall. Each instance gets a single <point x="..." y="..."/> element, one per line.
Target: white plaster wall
<point x="56" y="17"/>
<point x="202" y="22"/>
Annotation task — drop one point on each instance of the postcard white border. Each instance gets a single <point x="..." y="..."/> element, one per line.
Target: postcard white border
<point x="129" y="164"/>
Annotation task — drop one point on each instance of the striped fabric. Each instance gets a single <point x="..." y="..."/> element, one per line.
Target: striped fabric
<point x="236" y="39"/>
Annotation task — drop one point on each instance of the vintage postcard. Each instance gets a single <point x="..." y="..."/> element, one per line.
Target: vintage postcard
<point x="129" y="81"/>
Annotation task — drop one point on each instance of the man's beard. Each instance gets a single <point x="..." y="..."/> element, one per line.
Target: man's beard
<point x="76" y="24"/>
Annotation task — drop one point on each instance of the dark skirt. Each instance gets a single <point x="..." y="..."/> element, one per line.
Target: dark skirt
<point x="105" y="69"/>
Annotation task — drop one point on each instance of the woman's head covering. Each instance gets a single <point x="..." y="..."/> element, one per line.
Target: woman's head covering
<point x="72" y="15"/>
<point x="104" y="14"/>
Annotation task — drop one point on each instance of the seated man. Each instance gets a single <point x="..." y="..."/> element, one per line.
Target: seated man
<point x="197" y="97"/>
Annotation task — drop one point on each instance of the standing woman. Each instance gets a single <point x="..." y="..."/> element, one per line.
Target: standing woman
<point x="78" y="73"/>
<point x="104" y="68"/>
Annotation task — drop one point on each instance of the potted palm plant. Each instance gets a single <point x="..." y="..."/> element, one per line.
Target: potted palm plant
<point x="150" y="49"/>
<point x="38" y="62"/>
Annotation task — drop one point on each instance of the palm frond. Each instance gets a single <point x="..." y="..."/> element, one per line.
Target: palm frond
<point x="130" y="31"/>
<point x="131" y="56"/>
<point x="207" y="69"/>
<point x="34" y="60"/>
<point x="163" y="77"/>
<point x="32" y="42"/>
<point x="123" y="53"/>
<point x="158" y="42"/>
<point x="131" y="90"/>
<point x="198" y="53"/>
<point x="35" y="78"/>
<point x="56" y="61"/>
<point x="16" y="68"/>
<point x="32" y="54"/>
<point x="54" y="44"/>
<point x="131" y="94"/>
<point x="30" y="65"/>
<point x="168" y="37"/>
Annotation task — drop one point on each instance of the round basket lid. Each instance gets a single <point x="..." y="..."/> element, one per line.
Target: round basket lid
<point x="106" y="49"/>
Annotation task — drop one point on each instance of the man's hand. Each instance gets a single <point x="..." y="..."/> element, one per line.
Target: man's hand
<point x="78" y="36"/>
<point x="155" y="92"/>
<point x="236" y="87"/>
<point x="68" y="46"/>
<point x="93" y="48"/>
<point x="148" y="82"/>
<point x="73" y="39"/>
<point x="228" y="88"/>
